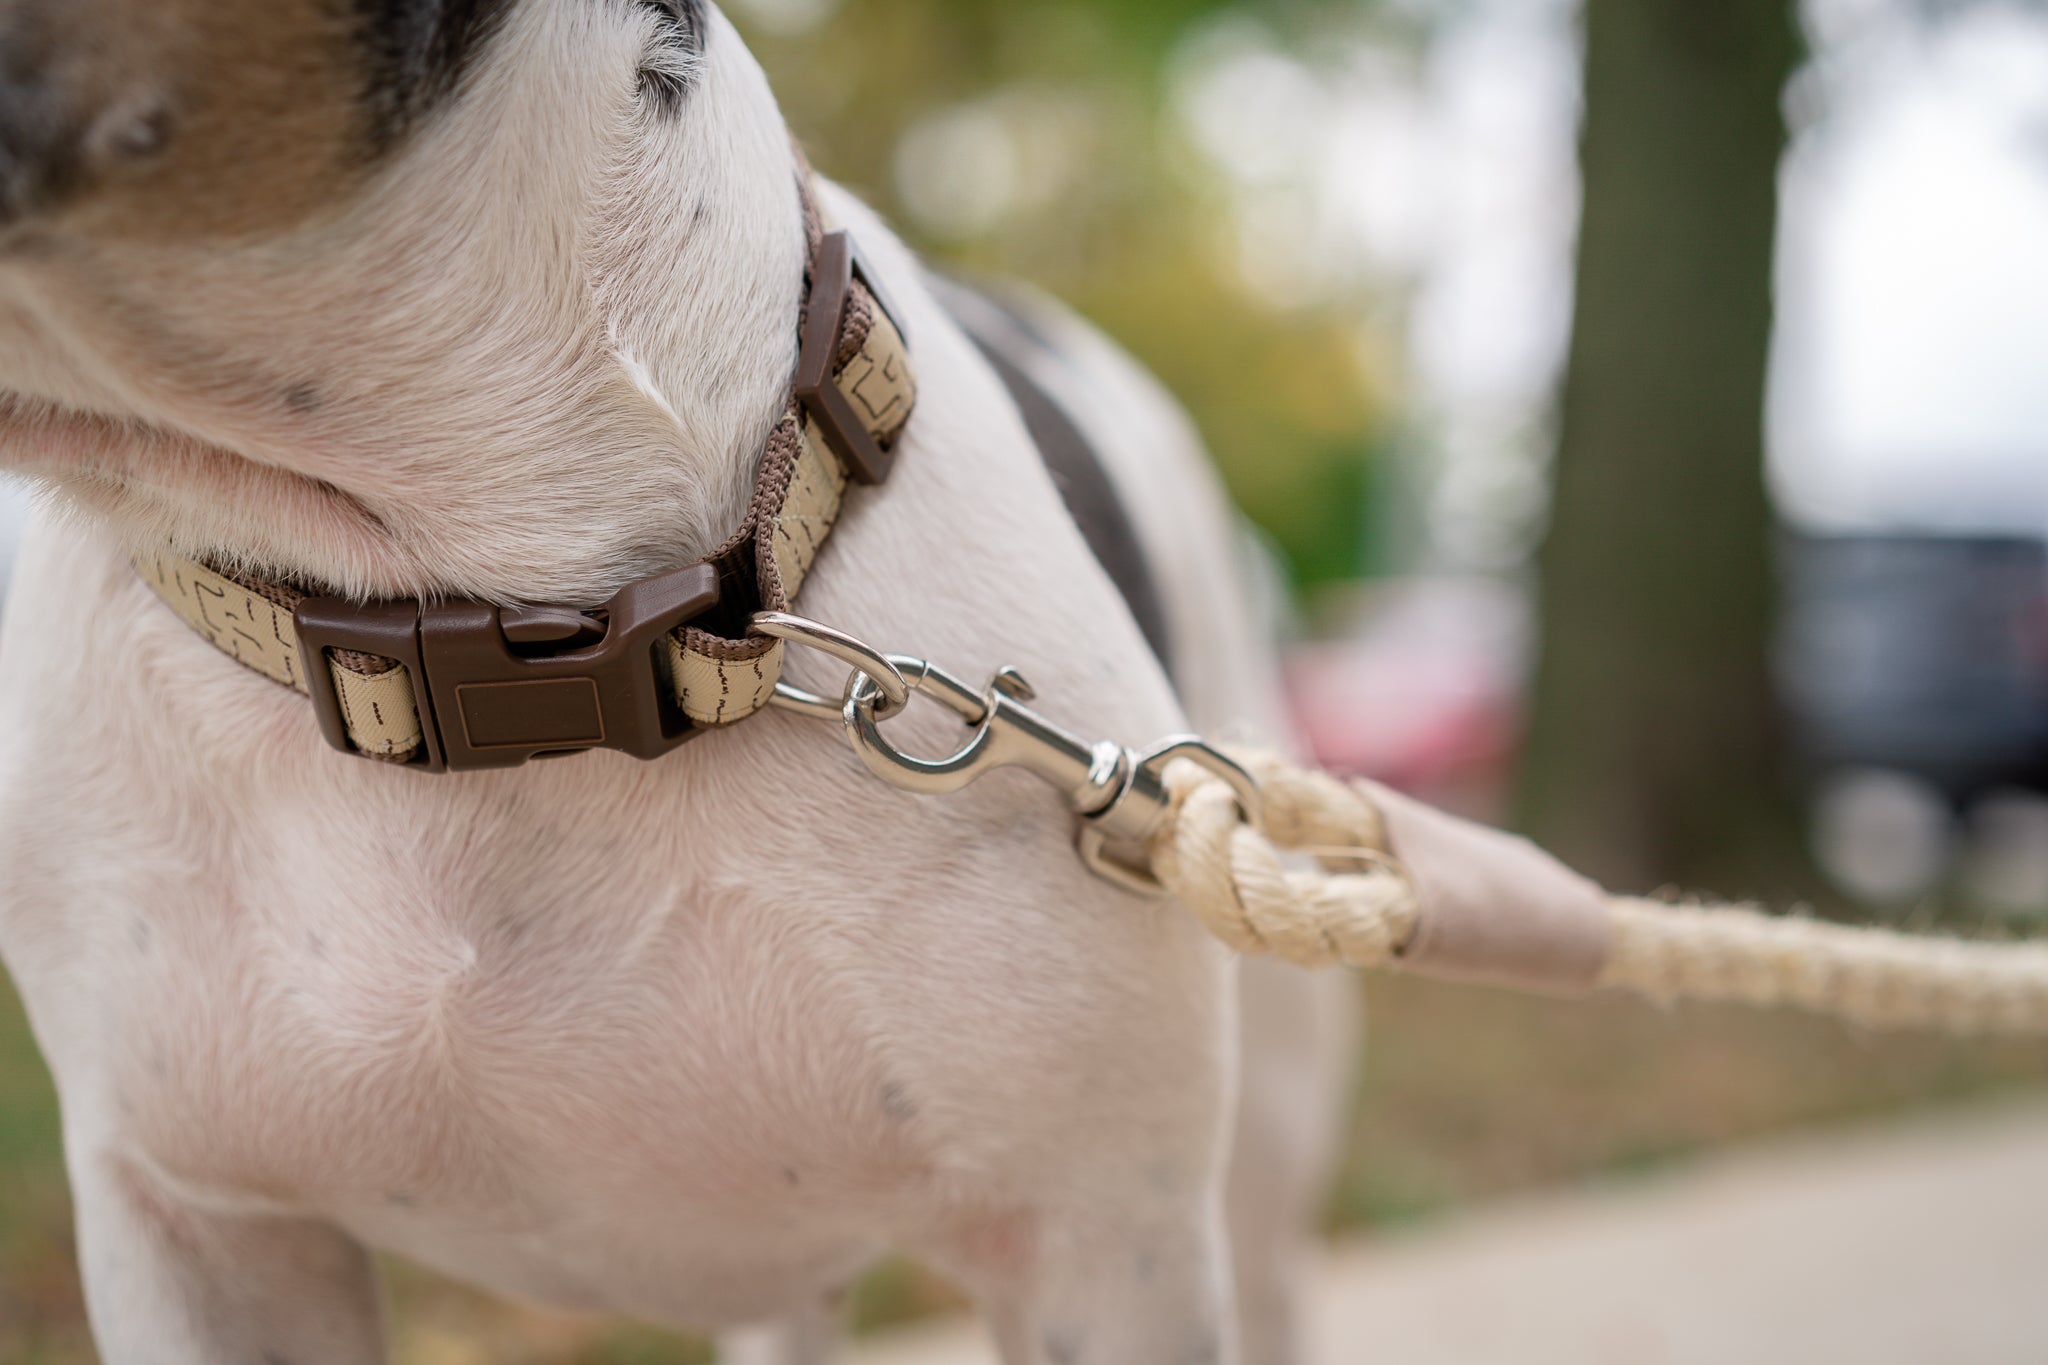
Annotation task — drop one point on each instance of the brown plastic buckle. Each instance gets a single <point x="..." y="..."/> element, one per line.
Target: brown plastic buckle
<point x="840" y="263"/>
<point x="490" y="691"/>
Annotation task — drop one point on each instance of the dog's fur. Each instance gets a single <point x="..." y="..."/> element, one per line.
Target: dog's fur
<point x="497" y="297"/>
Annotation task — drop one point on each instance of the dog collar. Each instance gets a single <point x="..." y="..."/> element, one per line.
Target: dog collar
<point x="458" y="685"/>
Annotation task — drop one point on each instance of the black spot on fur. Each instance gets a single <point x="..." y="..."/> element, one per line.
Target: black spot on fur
<point x="897" y="1104"/>
<point x="685" y="20"/>
<point x="302" y="398"/>
<point x="665" y="84"/>
<point x="416" y="53"/>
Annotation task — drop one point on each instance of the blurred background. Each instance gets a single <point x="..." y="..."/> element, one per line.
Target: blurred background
<point x="1649" y="400"/>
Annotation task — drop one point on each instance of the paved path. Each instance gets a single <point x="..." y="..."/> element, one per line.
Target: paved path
<point x="1917" y="1245"/>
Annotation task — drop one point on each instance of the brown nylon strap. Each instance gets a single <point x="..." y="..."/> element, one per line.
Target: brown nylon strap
<point x="719" y="673"/>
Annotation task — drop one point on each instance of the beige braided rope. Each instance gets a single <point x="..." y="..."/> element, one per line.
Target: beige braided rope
<point x="1361" y="911"/>
<point x="1872" y="977"/>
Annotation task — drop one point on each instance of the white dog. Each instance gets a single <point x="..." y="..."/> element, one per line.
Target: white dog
<point x="498" y="299"/>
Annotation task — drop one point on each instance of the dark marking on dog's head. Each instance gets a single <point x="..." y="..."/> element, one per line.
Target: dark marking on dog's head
<point x="302" y="398"/>
<point x="684" y="21"/>
<point x="194" y="119"/>
<point x="416" y="53"/>
<point x="665" y="78"/>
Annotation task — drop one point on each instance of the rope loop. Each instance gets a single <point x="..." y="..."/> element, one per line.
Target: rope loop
<point x="1233" y="878"/>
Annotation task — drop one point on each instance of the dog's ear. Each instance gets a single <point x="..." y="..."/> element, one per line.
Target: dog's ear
<point x="665" y="74"/>
<point x="685" y="16"/>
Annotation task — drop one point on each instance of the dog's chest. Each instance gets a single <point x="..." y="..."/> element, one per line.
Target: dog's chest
<point x="492" y="1065"/>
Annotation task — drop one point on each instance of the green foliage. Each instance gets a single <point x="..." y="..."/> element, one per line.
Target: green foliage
<point x="38" y="1289"/>
<point x="1138" y="236"/>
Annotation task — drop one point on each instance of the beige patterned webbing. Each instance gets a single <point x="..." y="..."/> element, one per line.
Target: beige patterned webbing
<point x="255" y="629"/>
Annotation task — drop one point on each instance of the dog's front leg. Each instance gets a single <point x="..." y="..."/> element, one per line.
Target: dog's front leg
<point x="1109" y="1289"/>
<point x="1151" y="1295"/>
<point x="1301" y="1039"/>
<point x="169" y="1285"/>
<point x="811" y="1339"/>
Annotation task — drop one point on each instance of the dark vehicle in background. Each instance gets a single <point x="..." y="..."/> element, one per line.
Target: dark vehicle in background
<point x="1915" y="671"/>
<point x="1920" y="654"/>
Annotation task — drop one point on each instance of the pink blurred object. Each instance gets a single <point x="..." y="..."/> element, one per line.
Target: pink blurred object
<point x="1421" y="688"/>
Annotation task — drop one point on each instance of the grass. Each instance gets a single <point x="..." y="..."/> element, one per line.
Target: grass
<point x="1465" y="1095"/>
<point x="41" y="1314"/>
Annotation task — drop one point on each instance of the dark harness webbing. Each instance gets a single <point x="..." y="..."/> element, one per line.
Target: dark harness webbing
<point x="1008" y="337"/>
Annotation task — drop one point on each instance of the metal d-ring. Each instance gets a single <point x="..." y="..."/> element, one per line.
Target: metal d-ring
<point x="864" y="659"/>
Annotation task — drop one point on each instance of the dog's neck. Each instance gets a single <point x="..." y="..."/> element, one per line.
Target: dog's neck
<point x="534" y="360"/>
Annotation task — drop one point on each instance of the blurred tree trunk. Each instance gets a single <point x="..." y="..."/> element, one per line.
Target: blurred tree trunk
<point x="1654" y="755"/>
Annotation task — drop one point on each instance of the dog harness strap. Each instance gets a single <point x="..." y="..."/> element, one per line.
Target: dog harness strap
<point x="1022" y="352"/>
<point x="456" y="685"/>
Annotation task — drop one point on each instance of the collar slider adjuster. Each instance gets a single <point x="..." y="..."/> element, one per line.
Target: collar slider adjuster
<point x="840" y="263"/>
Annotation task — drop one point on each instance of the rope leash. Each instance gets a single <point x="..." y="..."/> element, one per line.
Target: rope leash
<point x="1233" y="877"/>
<point x="1282" y="861"/>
